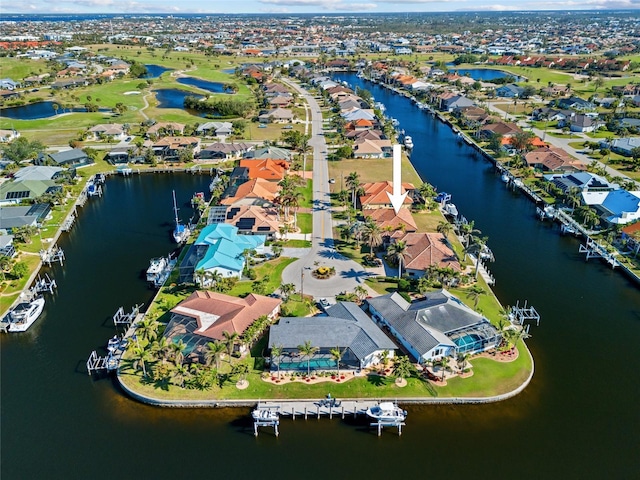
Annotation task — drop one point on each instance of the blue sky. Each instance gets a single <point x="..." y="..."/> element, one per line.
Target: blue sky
<point x="303" y="6"/>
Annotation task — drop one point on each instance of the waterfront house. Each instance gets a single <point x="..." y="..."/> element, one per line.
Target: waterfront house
<point x="266" y="169"/>
<point x="23" y="216"/>
<point x="617" y="207"/>
<point x="204" y="316"/>
<point x="120" y="154"/>
<point x="345" y="327"/>
<point x="257" y="191"/>
<point x="73" y="158"/>
<point x="553" y="159"/>
<point x="390" y="221"/>
<point x="6" y="244"/>
<point x="581" y="181"/>
<point x="376" y="194"/>
<point x="505" y="129"/>
<point x="438" y="326"/>
<point x="270" y="152"/>
<point x="456" y="101"/>
<point x="220" y="248"/>
<point x="425" y="250"/>
<point x="365" y="148"/>
<point x="172" y="146"/>
<point x="224" y="151"/>
<point x="35" y="172"/>
<point x="16" y="191"/>
<point x="254" y="220"/>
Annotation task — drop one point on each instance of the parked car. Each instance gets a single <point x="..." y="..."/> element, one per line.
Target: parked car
<point x="262" y="125"/>
<point x="324" y="303"/>
<point x="332" y="180"/>
<point x="287" y="127"/>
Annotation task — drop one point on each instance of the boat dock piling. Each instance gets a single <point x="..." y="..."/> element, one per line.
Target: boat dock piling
<point x="594" y="250"/>
<point x="380" y="424"/>
<point x="121" y="318"/>
<point x="68" y="222"/>
<point x="54" y="254"/>
<point x="523" y="314"/>
<point x="46" y="284"/>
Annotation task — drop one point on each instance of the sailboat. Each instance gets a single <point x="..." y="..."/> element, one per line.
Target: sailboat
<point x="180" y="232"/>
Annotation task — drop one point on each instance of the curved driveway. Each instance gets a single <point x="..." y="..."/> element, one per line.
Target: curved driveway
<point x="349" y="274"/>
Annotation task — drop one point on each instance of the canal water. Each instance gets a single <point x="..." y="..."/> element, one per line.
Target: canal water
<point x="578" y="418"/>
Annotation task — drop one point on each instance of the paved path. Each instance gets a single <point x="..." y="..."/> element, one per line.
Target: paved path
<point x="349" y="274"/>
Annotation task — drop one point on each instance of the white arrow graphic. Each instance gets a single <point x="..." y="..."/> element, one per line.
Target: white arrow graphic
<point x="397" y="198"/>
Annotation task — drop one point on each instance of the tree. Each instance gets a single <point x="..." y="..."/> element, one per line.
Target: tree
<point x="398" y="251"/>
<point x="402" y="367"/>
<point x="20" y="270"/>
<point x="372" y="234"/>
<point x="361" y="292"/>
<point x="180" y="374"/>
<point x="474" y="293"/>
<point x="462" y="358"/>
<point x="353" y="182"/>
<point x="22" y="149"/>
<point x="147" y="329"/>
<point x="522" y="141"/>
<point x="230" y="340"/>
<point x="177" y="351"/>
<point x="214" y="353"/>
<point x="444" y="362"/>
<point x="140" y="358"/>
<point x="287" y="289"/>
<point x="276" y="351"/>
<point x="445" y="228"/>
<point x="337" y="355"/>
<point x="476" y="247"/>
<point x="307" y="350"/>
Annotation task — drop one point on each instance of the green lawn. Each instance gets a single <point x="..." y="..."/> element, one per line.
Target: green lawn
<point x="371" y="170"/>
<point x="305" y="222"/>
<point x="273" y="268"/>
<point x="294" y="243"/>
<point x="307" y="192"/>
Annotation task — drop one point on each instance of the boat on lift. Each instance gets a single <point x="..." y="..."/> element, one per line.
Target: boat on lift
<point x="408" y="142"/>
<point x="387" y="412"/>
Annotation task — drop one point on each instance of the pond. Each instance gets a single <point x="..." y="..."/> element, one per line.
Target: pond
<point x="154" y="71"/>
<point x="483" y="73"/>
<point x="35" y="111"/>
<point x="215" y="87"/>
<point x="173" y="97"/>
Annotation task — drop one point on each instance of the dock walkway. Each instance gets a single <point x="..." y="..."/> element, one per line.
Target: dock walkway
<point x="318" y="408"/>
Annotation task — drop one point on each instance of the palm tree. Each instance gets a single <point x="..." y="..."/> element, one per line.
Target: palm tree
<point x="161" y="348"/>
<point x="398" y="251"/>
<point x="180" y="374"/>
<point x="337" y="355"/>
<point x="476" y="246"/>
<point x="276" y="351"/>
<point x="426" y="191"/>
<point x="287" y="289"/>
<point x="402" y="367"/>
<point x="372" y="235"/>
<point x="361" y="292"/>
<point x="444" y="361"/>
<point x="177" y="350"/>
<point x="474" y="292"/>
<point x="353" y="182"/>
<point x="140" y="358"/>
<point x="230" y="340"/>
<point x="308" y="351"/>
<point x="147" y="329"/>
<point x="445" y="228"/>
<point x="462" y="358"/>
<point x="213" y="353"/>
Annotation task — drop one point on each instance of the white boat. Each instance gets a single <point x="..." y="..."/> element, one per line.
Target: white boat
<point x="387" y="411"/>
<point x="450" y="209"/>
<point x="505" y="178"/>
<point x="264" y="414"/>
<point x="159" y="270"/>
<point x="22" y="316"/>
<point x="180" y="232"/>
<point x="408" y="142"/>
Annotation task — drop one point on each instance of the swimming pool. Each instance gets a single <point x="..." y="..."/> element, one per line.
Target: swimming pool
<point x="314" y="364"/>
<point x="467" y="341"/>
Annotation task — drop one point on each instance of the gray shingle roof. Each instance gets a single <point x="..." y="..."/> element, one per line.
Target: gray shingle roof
<point x="346" y="326"/>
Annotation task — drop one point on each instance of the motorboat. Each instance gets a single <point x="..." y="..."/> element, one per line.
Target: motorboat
<point x="23" y="315"/>
<point x="450" y="209"/>
<point x="265" y="414"/>
<point x="387" y="412"/>
<point x="181" y="232"/>
<point x="159" y="270"/>
<point x="408" y="142"/>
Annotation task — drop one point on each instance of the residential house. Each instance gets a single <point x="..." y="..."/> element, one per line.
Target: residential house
<point x="345" y="327"/>
<point x="215" y="129"/>
<point x="389" y="221"/>
<point x="224" y="151"/>
<point x="376" y="194"/>
<point x="365" y="148"/>
<point x="509" y="91"/>
<point x="204" y="316"/>
<point x="110" y="131"/>
<point x="277" y="115"/>
<point x="504" y="129"/>
<point x="254" y="220"/>
<point x="165" y="128"/>
<point x="257" y="191"/>
<point x="35" y="172"/>
<point x="553" y="159"/>
<point x="73" y="158"/>
<point x="270" y="152"/>
<point x="425" y="250"/>
<point x="172" y="146"/>
<point x="582" y="181"/>
<point x="436" y="327"/>
<point x="23" y="216"/>
<point x="220" y="248"/>
<point x="6" y="244"/>
<point x="616" y="207"/>
<point x="575" y="103"/>
<point x="624" y="146"/>
<point x="7" y="136"/>
<point x="584" y="123"/>
<point x="267" y="169"/>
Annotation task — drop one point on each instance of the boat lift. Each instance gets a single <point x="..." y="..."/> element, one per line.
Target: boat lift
<point x="54" y="254"/>
<point x="520" y="315"/>
<point x="121" y="318"/>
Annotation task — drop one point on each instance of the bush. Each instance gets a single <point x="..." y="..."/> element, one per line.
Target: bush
<point x="406" y="296"/>
<point x="251" y="274"/>
<point x="404" y="285"/>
